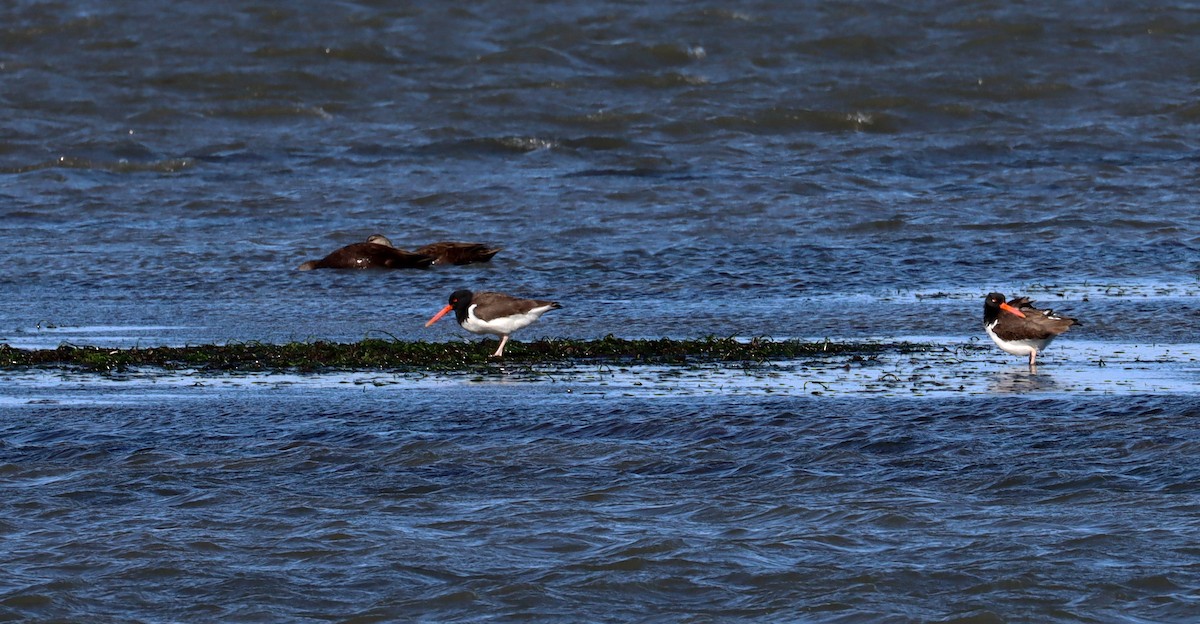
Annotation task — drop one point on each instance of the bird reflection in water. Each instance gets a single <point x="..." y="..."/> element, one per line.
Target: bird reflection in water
<point x="1021" y="380"/>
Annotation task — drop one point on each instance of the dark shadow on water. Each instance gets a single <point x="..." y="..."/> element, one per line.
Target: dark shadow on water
<point x="1021" y="380"/>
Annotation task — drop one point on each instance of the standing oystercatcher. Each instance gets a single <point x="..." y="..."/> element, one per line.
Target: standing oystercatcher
<point x="493" y="313"/>
<point x="1021" y="329"/>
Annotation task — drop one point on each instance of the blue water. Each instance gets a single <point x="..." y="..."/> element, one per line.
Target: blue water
<point x="830" y="170"/>
<point x="483" y="502"/>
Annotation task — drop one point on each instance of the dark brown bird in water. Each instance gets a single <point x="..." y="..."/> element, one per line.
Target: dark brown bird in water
<point x="1021" y="329"/>
<point x="377" y="253"/>
<point x="450" y="252"/>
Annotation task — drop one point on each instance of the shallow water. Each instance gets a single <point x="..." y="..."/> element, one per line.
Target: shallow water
<point x="835" y="170"/>
<point x="1083" y="369"/>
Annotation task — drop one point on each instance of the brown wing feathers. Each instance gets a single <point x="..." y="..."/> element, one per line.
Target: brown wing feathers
<point x="493" y="305"/>
<point x="1037" y="324"/>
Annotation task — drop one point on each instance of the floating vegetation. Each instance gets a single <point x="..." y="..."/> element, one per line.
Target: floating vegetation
<point x="377" y="354"/>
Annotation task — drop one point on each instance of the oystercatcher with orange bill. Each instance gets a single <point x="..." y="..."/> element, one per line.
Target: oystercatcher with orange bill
<point x="493" y="313"/>
<point x="1021" y="329"/>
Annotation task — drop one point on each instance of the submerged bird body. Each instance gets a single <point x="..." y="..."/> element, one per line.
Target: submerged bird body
<point x="376" y="253"/>
<point x="493" y="313"/>
<point x="1017" y="327"/>
<point x="451" y="252"/>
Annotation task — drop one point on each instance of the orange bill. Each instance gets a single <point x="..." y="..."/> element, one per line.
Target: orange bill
<point x="447" y="309"/>
<point x="1003" y="306"/>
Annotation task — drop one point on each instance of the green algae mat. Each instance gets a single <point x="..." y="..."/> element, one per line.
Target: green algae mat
<point x="436" y="356"/>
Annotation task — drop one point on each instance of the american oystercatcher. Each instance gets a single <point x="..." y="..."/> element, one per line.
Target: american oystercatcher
<point x="452" y="252"/>
<point x="493" y="313"/>
<point x="1021" y="329"/>
<point x="377" y="253"/>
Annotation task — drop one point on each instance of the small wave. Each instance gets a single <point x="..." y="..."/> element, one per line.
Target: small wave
<point x="851" y="46"/>
<point x="1189" y="112"/>
<point x="360" y="53"/>
<point x="635" y="55"/>
<point x="661" y="81"/>
<point x="523" y="144"/>
<point x="633" y="172"/>
<point x="719" y="15"/>
<point x="169" y="165"/>
<point x="783" y="120"/>
<point x="1012" y="89"/>
<point x="274" y="110"/>
<point x="879" y="225"/>
<point x="606" y="118"/>
<point x="597" y="143"/>
<point x="485" y="146"/>
<point x="226" y="153"/>
<point x="1052" y="224"/>
<point x="534" y="55"/>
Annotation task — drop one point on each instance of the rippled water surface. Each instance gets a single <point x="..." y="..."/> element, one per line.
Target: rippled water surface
<point x="841" y="170"/>
<point x="490" y="501"/>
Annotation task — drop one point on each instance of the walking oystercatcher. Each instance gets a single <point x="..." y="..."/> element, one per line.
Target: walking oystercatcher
<point x="493" y="313"/>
